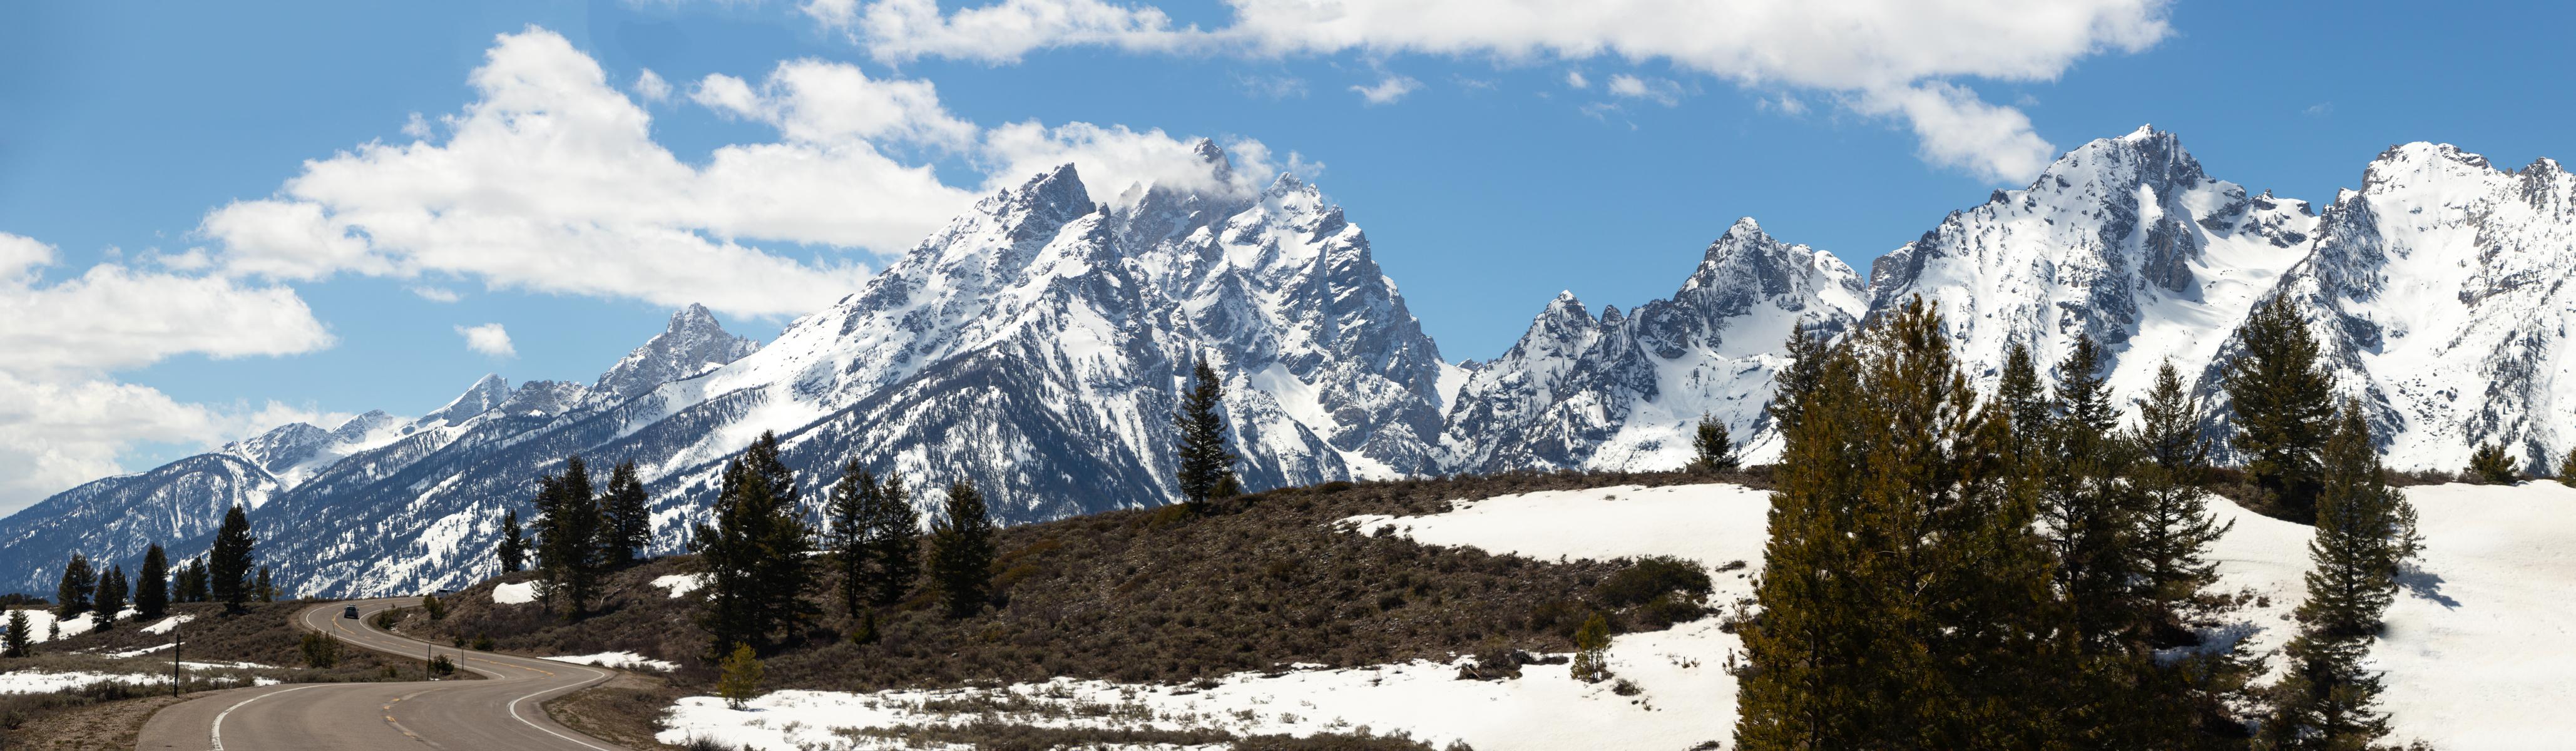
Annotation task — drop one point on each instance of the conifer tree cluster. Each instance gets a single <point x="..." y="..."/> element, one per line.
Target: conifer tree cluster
<point x="110" y="598"/>
<point x="870" y="536"/>
<point x="192" y="583"/>
<point x="754" y="555"/>
<point x="1950" y="572"/>
<point x="2567" y="469"/>
<point x="79" y="583"/>
<point x="580" y="533"/>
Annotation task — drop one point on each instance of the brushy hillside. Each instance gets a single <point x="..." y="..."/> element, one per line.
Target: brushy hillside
<point x="1257" y="583"/>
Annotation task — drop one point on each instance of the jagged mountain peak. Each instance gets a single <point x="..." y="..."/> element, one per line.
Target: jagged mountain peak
<point x="486" y="393"/>
<point x="691" y="344"/>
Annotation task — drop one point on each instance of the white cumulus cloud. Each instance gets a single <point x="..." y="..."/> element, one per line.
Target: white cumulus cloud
<point x="64" y="419"/>
<point x="1890" y="58"/>
<point x="1657" y="90"/>
<point x="1388" y="90"/>
<point x="489" y="340"/>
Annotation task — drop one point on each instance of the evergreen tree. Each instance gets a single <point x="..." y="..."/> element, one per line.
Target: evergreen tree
<point x="513" y="549"/>
<point x="2024" y="402"/>
<point x="1592" y="650"/>
<point x="629" y="528"/>
<point x="262" y="588"/>
<point x="1805" y="373"/>
<point x="2281" y="405"/>
<point x="200" y="584"/>
<point x="2365" y="532"/>
<point x="2567" y="469"/>
<point x="738" y="678"/>
<point x="228" y="565"/>
<point x="754" y="556"/>
<point x="1713" y="450"/>
<point x="961" y="552"/>
<point x="152" y="585"/>
<point x="2172" y="540"/>
<point x="847" y="511"/>
<point x="2491" y="465"/>
<point x="2090" y="513"/>
<point x="15" y="643"/>
<point x="1905" y="599"/>
<point x="892" y="530"/>
<point x="110" y="599"/>
<point x="1204" y="462"/>
<point x="79" y="583"/>
<point x="569" y="554"/>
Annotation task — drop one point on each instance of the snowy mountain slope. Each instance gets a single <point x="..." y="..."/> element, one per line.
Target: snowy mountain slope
<point x="2444" y="286"/>
<point x="1624" y="391"/>
<point x="113" y="519"/>
<point x="692" y="344"/>
<point x="2125" y="239"/>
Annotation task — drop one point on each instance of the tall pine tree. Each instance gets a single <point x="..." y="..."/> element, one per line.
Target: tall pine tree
<point x="2173" y="536"/>
<point x="110" y="600"/>
<point x="16" y="642"/>
<point x="2090" y="513"/>
<point x="754" y="555"/>
<point x="893" y="529"/>
<point x="1205" y="465"/>
<point x="2365" y="532"/>
<point x="2023" y="401"/>
<point x="152" y="585"/>
<point x="229" y="564"/>
<point x="961" y="551"/>
<point x="2281" y="402"/>
<point x="1804" y="374"/>
<point x="513" y="548"/>
<point x="79" y="583"/>
<point x="628" y="529"/>
<point x="848" y="509"/>
<point x="569" y="552"/>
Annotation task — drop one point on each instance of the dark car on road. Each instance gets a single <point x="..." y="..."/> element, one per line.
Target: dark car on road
<point x="349" y="612"/>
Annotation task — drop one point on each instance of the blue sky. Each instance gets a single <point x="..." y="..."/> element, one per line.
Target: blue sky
<point x="1490" y="182"/>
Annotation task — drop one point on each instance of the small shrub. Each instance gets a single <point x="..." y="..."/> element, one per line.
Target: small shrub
<point x="440" y="665"/>
<point x="1592" y="650"/>
<point x="2567" y="469"/>
<point x="741" y="677"/>
<point x="1625" y="687"/>
<point x="2491" y="465"/>
<point x="320" y="651"/>
<point x="1654" y="577"/>
<point x="482" y="642"/>
<point x="437" y="610"/>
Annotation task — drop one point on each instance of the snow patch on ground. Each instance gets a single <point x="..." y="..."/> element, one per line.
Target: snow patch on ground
<point x="681" y="584"/>
<point x="167" y="624"/>
<point x="40" y="623"/>
<point x="620" y="661"/>
<point x="2468" y="653"/>
<point x="515" y="594"/>
<point x="33" y="682"/>
<point x="139" y="652"/>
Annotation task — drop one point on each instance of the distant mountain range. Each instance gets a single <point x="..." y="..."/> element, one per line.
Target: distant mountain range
<point x="1036" y="343"/>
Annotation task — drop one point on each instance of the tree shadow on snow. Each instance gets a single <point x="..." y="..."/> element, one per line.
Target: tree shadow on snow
<point x="2427" y="585"/>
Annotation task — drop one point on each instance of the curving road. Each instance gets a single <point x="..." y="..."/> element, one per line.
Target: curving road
<point x="501" y="712"/>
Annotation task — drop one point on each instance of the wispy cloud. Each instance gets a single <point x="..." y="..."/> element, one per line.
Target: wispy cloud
<point x="489" y="340"/>
<point x="1388" y="90"/>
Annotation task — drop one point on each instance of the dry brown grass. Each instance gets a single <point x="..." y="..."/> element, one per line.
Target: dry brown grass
<point x="1152" y="595"/>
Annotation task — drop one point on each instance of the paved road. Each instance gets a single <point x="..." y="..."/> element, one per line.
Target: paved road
<point x="496" y="714"/>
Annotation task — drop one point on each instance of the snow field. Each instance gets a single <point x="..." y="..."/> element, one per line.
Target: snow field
<point x="515" y="594"/>
<point x="681" y="584"/>
<point x="620" y="661"/>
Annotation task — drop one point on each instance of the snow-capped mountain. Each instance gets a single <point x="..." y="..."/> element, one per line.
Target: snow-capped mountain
<point x="2446" y="288"/>
<point x="113" y="519"/>
<point x="1624" y="391"/>
<point x="1035" y="346"/>
<point x="2124" y="239"/>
